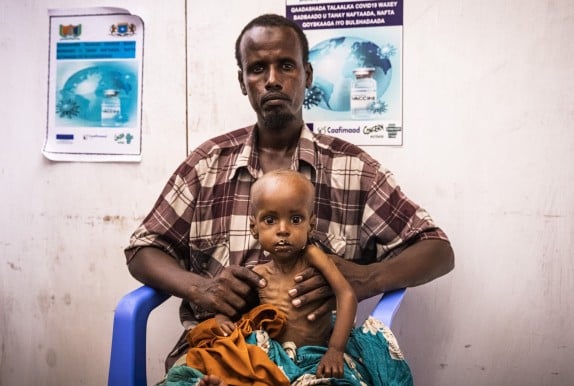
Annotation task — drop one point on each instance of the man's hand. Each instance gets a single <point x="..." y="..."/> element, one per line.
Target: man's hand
<point x="227" y="293"/>
<point x="420" y="263"/>
<point x="310" y="287"/>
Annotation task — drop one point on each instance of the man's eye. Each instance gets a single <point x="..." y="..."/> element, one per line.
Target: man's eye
<point x="257" y="69"/>
<point x="297" y="219"/>
<point x="288" y="66"/>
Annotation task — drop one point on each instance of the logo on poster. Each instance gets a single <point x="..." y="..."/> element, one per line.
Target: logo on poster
<point x="122" y="29"/>
<point x="373" y="129"/>
<point x="69" y="32"/>
<point x="123" y="138"/>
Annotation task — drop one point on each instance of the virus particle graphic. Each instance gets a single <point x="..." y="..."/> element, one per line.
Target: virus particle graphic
<point x="313" y="97"/>
<point x="378" y="107"/>
<point x="67" y="108"/>
<point x="388" y="50"/>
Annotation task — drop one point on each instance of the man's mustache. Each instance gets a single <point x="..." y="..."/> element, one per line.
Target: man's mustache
<point x="274" y="96"/>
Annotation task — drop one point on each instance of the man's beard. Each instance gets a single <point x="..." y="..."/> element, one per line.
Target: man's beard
<point x="277" y="120"/>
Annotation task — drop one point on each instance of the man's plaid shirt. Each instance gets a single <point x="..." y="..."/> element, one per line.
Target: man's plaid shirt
<point x="202" y="215"/>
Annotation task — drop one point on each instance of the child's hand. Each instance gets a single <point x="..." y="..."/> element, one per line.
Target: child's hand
<point x="331" y="365"/>
<point x="225" y="324"/>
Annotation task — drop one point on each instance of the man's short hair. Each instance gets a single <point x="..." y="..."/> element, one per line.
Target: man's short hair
<point x="273" y="20"/>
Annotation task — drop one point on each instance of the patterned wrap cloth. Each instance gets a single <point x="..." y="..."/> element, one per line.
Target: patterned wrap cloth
<point x="251" y="355"/>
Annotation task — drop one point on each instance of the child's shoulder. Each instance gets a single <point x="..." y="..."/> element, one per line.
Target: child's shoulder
<point x="262" y="268"/>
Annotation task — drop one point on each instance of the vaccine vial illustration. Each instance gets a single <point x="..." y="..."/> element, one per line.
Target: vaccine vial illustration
<point x="111" y="108"/>
<point x="363" y="93"/>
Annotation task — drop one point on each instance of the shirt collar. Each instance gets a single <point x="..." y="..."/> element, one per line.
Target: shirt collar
<point x="248" y="157"/>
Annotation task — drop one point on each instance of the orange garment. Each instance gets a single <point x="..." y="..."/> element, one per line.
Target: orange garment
<point x="230" y="357"/>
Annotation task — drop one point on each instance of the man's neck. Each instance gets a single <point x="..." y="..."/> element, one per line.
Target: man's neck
<point x="276" y="148"/>
<point x="278" y="137"/>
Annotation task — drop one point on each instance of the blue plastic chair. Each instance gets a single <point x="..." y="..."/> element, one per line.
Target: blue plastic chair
<point x="128" y="354"/>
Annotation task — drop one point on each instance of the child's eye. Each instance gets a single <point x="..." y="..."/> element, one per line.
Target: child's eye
<point x="268" y="220"/>
<point x="297" y="219"/>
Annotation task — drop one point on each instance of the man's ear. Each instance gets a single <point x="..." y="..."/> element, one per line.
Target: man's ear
<point x="253" y="228"/>
<point x="308" y="75"/>
<point x="241" y="84"/>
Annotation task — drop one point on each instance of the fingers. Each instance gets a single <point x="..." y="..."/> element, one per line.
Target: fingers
<point x="330" y="367"/>
<point x="311" y="287"/>
<point x="310" y="283"/>
<point x="227" y="328"/>
<point x="306" y="274"/>
<point x="229" y="292"/>
<point x="220" y="297"/>
<point x="248" y="276"/>
<point x="321" y="310"/>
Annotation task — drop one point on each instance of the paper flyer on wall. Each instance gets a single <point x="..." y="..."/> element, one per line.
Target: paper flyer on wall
<point x="356" y="49"/>
<point x="94" y="85"/>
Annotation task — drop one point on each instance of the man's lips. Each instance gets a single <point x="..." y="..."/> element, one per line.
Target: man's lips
<point x="275" y="96"/>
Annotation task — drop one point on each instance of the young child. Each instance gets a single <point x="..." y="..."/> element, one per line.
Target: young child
<point x="282" y="219"/>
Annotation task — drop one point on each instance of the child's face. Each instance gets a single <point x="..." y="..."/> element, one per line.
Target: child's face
<point x="283" y="220"/>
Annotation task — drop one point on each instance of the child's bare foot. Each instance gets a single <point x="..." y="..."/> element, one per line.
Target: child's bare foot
<point x="211" y="380"/>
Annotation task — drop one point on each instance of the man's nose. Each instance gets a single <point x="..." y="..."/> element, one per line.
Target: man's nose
<point x="273" y="79"/>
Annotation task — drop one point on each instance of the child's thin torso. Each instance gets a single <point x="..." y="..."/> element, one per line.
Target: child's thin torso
<point x="298" y="330"/>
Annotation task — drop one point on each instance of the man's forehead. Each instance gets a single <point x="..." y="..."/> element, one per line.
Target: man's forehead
<point x="261" y="37"/>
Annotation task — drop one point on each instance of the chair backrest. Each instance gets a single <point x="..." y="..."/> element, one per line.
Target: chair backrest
<point x="128" y="353"/>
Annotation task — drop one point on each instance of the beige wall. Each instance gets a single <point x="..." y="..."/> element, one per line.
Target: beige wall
<point x="488" y="104"/>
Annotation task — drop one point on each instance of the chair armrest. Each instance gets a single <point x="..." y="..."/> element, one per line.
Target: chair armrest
<point x="128" y="353"/>
<point x="388" y="306"/>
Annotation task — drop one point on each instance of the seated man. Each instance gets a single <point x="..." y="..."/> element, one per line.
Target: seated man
<point x="196" y="243"/>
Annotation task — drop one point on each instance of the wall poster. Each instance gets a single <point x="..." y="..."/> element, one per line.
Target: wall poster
<point x="94" y="85"/>
<point x="356" y="50"/>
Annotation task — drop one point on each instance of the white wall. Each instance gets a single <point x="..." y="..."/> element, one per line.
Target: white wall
<point x="488" y="101"/>
<point x="64" y="225"/>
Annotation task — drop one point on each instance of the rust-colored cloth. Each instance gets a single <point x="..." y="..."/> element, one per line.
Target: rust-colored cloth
<point x="230" y="357"/>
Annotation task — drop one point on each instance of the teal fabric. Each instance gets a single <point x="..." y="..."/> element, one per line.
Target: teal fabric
<point x="373" y="358"/>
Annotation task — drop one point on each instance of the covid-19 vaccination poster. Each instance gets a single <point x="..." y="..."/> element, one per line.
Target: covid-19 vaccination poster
<point x="356" y="50"/>
<point x="94" y="85"/>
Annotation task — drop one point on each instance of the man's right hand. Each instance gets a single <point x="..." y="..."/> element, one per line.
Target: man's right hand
<point x="225" y="294"/>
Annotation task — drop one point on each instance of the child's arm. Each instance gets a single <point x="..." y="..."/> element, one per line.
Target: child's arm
<point x="332" y="362"/>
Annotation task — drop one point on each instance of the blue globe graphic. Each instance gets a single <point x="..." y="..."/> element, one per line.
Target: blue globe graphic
<point x="82" y="94"/>
<point x="333" y="63"/>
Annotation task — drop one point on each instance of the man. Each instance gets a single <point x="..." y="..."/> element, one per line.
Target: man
<point x="196" y="244"/>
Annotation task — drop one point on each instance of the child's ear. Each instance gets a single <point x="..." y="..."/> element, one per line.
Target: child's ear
<point x="253" y="227"/>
